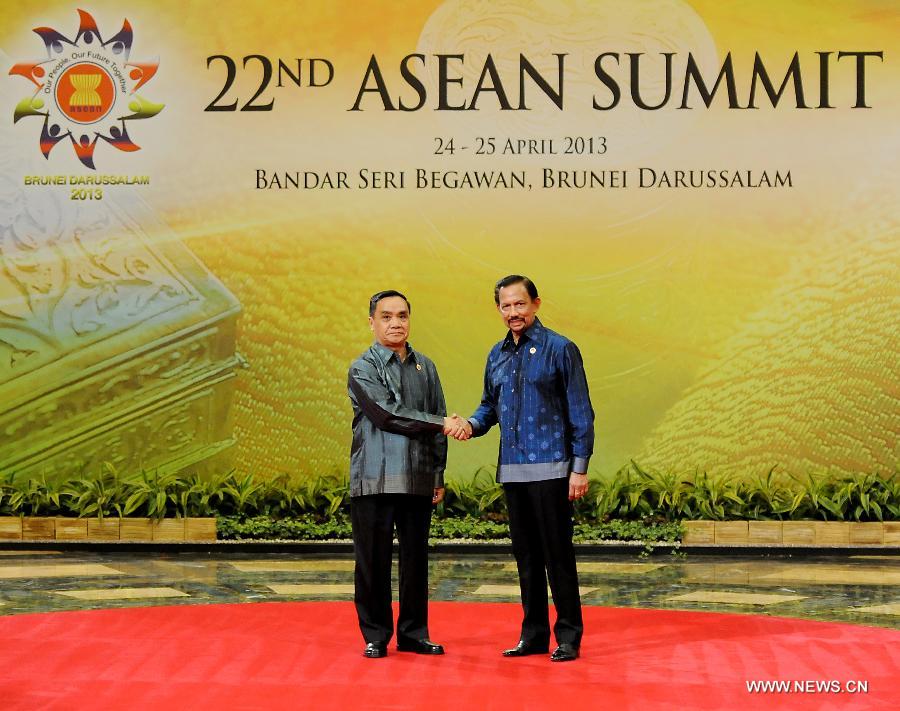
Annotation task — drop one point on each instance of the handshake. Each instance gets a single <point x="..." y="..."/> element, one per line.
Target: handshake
<point x="457" y="427"/>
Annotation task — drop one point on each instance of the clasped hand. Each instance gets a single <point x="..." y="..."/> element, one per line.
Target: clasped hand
<point x="457" y="427"/>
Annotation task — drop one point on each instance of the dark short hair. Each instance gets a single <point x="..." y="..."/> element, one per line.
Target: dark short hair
<point x="515" y="279"/>
<point x="373" y="302"/>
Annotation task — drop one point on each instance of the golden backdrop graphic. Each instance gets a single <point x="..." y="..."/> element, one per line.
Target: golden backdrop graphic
<point x="729" y="273"/>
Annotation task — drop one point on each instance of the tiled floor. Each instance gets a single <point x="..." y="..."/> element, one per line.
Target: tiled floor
<point x="862" y="589"/>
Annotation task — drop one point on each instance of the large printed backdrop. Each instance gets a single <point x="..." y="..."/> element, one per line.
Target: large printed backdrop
<point x="724" y="329"/>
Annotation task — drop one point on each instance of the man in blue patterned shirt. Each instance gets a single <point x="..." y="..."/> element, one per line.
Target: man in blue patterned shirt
<point x="535" y="389"/>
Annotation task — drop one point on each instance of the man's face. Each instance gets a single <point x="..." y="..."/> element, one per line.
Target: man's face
<point x="390" y="324"/>
<point x="517" y="309"/>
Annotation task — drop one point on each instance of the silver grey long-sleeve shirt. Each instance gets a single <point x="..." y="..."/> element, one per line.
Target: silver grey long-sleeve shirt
<point x="398" y="420"/>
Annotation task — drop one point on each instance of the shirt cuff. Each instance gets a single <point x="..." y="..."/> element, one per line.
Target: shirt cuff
<point x="580" y="464"/>
<point x="476" y="425"/>
<point x="434" y="419"/>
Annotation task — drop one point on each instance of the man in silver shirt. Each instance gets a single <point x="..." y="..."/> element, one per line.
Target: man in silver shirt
<point x="397" y="463"/>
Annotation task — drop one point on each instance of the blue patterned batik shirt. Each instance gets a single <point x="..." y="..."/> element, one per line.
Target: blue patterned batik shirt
<point x="537" y="392"/>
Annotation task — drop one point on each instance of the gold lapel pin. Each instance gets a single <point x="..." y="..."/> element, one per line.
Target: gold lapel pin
<point x="418" y="366"/>
<point x="532" y="350"/>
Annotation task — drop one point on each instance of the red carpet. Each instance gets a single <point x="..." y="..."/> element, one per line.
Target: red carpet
<point x="307" y="655"/>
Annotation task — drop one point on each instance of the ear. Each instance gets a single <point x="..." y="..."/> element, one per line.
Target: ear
<point x="371" y="324"/>
<point x="537" y="303"/>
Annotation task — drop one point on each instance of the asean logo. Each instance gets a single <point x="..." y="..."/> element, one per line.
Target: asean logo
<point x="86" y="89"/>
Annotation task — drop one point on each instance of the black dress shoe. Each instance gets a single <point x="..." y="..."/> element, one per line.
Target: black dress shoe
<point x="419" y="646"/>
<point x="523" y="649"/>
<point x="564" y="653"/>
<point x="375" y="650"/>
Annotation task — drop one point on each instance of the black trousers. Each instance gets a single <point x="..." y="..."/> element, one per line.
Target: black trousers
<point x="374" y="518"/>
<point x="540" y="525"/>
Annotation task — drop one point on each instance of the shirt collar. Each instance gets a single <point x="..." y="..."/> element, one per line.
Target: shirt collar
<point x="535" y="332"/>
<point x="385" y="354"/>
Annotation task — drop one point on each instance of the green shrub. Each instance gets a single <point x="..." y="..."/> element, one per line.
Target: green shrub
<point x="479" y="496"/>
<point x="473" y="507"/>
<point x="304" y="527"/>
